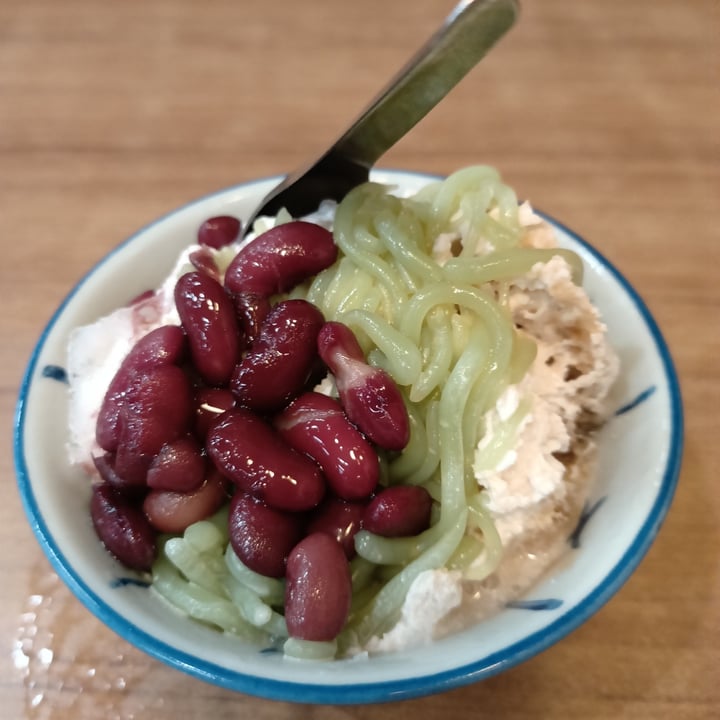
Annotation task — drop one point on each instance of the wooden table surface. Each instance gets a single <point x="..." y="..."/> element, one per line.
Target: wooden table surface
<point x="605" y="114"/>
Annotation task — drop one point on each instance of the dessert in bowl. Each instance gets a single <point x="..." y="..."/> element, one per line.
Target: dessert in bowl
<point x="546" y="584"/>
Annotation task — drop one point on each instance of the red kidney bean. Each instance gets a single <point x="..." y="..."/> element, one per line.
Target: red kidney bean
<point x="318" y="589"/>
<point x="369" y="396"/>
<point x="105" y="465"/>
<point x="178" y="466"/>
<point x="173" y="512"/>
<point x="378" y="409"/>
<point x="208" y="316"/>
<point x="338" y="343"/>
<point x="316" y="425"/>
<point x="250" y="453"/>
<point x="275" y="262"/>
<point x="279" y="363"/>
<point x="123" y="528"/>
<point x="163" y="346"/>
<point x="216" y="232"/>
<point x="210" y="403"/>
<point x="158" y="409"/>
<point x="339" y="519"/>
<point x="399" y="511"/>
<point x="261" y="536"/>
<point x="280" y="258"/>
<point x="204" y="262"/>
<point x="251" y="311"/>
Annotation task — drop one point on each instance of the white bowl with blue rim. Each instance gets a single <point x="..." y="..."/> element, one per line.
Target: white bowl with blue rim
<point x="639" y="461"/>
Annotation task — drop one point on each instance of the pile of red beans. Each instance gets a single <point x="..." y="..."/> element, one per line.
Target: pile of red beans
<point x="221" y="408"/>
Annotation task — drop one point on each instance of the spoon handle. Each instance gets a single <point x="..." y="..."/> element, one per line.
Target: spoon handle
<point x="470" y="30"/>
<point x="468" y="33"/>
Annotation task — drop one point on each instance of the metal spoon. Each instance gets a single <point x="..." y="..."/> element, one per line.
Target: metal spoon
<point x="470" y="30"/>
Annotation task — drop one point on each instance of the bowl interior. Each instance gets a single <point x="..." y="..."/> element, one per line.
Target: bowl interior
<point x="639" y="461"/>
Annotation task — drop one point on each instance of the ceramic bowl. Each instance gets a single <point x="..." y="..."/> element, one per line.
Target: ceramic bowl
<point x="640" y="451"/>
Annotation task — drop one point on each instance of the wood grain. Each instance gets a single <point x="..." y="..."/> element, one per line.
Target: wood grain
<point x="605" y="114"/>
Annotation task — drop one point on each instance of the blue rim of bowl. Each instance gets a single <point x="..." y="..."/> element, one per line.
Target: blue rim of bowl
<point x="375" y="692"/>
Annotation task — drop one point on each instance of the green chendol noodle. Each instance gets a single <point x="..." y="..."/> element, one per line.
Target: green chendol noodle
<point x="445" y="335"/>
